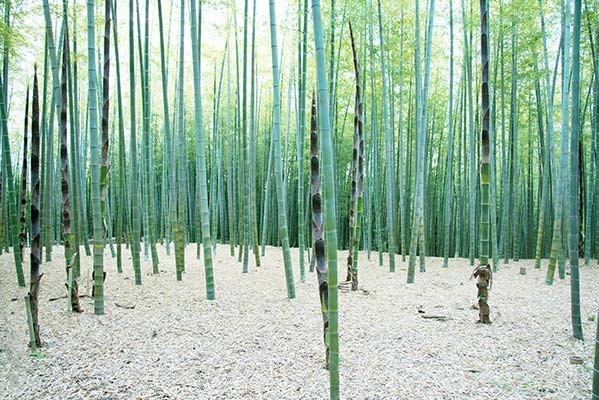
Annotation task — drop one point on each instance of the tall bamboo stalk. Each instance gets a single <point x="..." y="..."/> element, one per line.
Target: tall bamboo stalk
<point x="134" y="187"/>
<point x="56" y="102"/>
<point x="318" y="227"/>
<point x="278" y="169"/>
<point x="246" y="204"/>
<point x="449" y="164"/>
<point x="172" y="188"/>
<point x="574" y="221"/>
<point x="302" y="52"/>
<point x="104" y="168"/>
<point x="203" y="190"/>
<point x="122" y="191"/>
<point x="471" y="141"/>
<point x="389" y="179"/>
<point x="98" y="231"/>
<point x="178" y="226"/>
<point x="35" y="276"/>
<point x="484" y="171"/>
<point x="23" y="194"/>
<point x="65" y="189"/>
<point x="421" y="89"/>
<point x="78" y="167"/>
<point x="329" y="202"/>
<point x="549" y="89"/>
<point x="150" y="176"/>
<point x="356" y="202"/>
<point x="556" y="244"/>
<point x="253" y="140"/>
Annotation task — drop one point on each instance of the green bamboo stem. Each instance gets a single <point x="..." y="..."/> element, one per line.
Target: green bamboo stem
<point x="134" y="187"/>
<point x="471" y="142"/>
<point x="150" y="202"/>
<point x="421" y="89"/>
<point x="484" y="171"/>
<point x="278" y="169"/>
<point x="574" y="222"/>
<point x="178" y="227"/>
<point x="559" y="214"/>
<point x="389" y="179"/>
<point x="56" y="102"/>
<point x="302" y="63"/>
<point x="203" y="191"/>
<point x="253" y="149"/>
<point x="104" y="167"/>
<point x="329" y="202"/>
<point x="449" y="165"/>
<point x="172" y="188"/>
<point x="79" y="194"/>
<point x="98" y="231"/>
<point x="515" y="170"/>
<point x="356" y="200"/>
<point x="23" y="192"/>
<point x="75" y="199"/>
<point x="122" y="190"/>
<point x="266" y="195"/>
<point x="10" y="190"/>
<point x="245" y="175"/>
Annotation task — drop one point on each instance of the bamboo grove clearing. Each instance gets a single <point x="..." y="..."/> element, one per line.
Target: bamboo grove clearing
<point x="252" y="167"/>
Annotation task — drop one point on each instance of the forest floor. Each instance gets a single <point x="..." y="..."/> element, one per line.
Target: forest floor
<point x="254" y="343"/>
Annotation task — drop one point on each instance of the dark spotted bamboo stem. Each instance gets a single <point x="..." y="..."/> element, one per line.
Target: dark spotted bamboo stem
<point x="34" y="256"/>
<point x="317" y="225"/>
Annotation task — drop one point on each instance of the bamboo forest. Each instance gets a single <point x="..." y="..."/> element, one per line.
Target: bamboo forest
<point x="299" y="199"/>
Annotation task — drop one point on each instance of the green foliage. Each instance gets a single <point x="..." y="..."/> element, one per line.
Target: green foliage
<point x="11" y="38"/>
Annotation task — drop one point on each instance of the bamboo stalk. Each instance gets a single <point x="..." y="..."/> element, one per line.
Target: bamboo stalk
<point x="329" y="203"/>
<point x="34" y="256"/>
<point x="278" y="169"/>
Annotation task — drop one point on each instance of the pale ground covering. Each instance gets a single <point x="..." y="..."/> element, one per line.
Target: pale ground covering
<point x="254" y="343"/>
